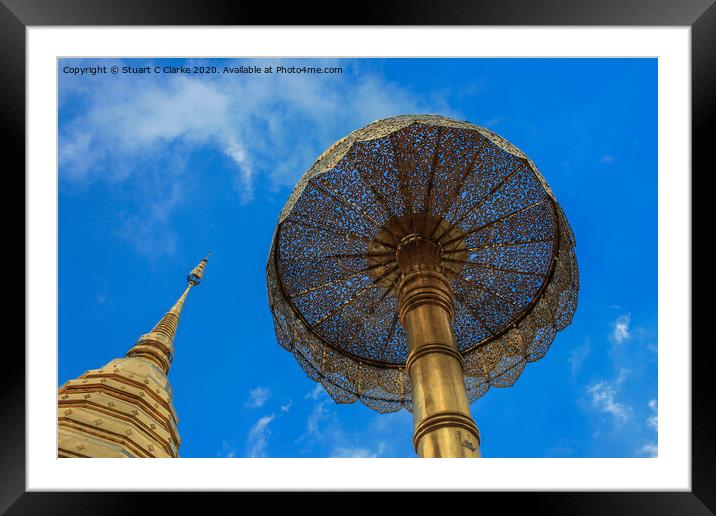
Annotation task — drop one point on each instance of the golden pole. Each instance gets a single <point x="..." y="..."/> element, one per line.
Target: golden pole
<point x="442" y="421"/>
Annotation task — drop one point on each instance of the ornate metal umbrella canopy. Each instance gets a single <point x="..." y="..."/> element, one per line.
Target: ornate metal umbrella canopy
<point x="418" y="262"/>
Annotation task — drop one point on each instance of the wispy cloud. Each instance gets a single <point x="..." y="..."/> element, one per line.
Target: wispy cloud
<point x="269" y="127"/>
<point x="316" y="392"/>
<point x="317" y="416"/>
<point x="342" y="452"/>
<point x="646" y="337"/>
<point x="382" y="436"/>
<point x="578" y="355"/>
<point x="492" y="123"/>
<point x="650" y="449"/>
<point x="101" y="297"/>
<point x="653" y="420"/>
<point x="565" y="447"/>
<point x="227" y="450"/>
<point x="257" y="441"/>
<point x="604" y="398"/>
<point x="607" y="159"/>
<point x="322" y="426"/>
<point x="258" y="397"/>
<point x="622" y="399"/>
<point x="285" y="408"/>
<point x="620" y="329"/>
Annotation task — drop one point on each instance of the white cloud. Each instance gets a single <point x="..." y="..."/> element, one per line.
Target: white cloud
<point x="243" y="180"/>
<point x="148" y="236"/>
<point x="352" y="452"/>
<point x="258" y="397"/>
<point x="318" y="414"/>
<point x="257" y="441"/>
<point x="227" y="450"/>
<point x="620" y="329"/>
<point x="317" y="391"/>
<point x="604" y="398"/>
<point x="621" y="401"/>
<point x="357" y="452"/>
<point x="650" y="449"/>
<point x="653" y="420"/>
<point x="134" y="121"/>
<point x="382" y="435"/>
<point x="272" y="127"/>
<point x="322" y="426"/>
<point x="285" y="408"/>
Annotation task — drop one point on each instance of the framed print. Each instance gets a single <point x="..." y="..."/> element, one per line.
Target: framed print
<point x="313" y="174"/>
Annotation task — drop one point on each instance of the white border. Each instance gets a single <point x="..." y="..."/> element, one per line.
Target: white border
<point x="672" y="468"/>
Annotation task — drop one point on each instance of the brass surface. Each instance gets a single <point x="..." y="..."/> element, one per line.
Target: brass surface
<point x="382" y="256"/>
<point x="124" y="408"/>
<point x="507" y="251"/>
<point x="441" y="413"/>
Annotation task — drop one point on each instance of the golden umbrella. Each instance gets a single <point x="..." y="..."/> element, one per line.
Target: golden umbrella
<point x="418" y="262"/>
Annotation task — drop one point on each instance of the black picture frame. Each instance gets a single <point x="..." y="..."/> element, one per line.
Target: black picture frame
<point x="700" y="15"/>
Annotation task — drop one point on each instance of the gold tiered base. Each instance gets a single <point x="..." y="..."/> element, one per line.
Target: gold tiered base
<point x="123" y="409"/>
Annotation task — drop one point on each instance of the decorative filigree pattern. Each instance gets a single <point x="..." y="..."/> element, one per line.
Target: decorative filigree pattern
<point x="506" y="246"/>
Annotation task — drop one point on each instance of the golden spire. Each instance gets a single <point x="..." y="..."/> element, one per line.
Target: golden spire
<point x="157" y="346"/>
<point x="124" y="408"/>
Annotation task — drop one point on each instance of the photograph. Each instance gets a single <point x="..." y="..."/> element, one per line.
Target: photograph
<point x="358" y="257"/>
<point x="273" y="252"/>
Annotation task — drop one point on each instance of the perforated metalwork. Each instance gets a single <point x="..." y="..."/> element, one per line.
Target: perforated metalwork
<point x="504" y="241"/>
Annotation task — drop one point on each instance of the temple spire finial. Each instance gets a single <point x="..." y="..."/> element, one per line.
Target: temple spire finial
<point x="197" y="273"/>
<point x="157" y="346"/>
<point x="124" y="408"/>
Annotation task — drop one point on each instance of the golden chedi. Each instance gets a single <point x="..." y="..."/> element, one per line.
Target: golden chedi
<point x="124" y="408"/>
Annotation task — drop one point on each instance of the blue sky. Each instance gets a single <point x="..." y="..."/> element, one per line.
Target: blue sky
<point x="156" y="169"/>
